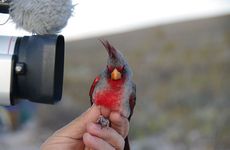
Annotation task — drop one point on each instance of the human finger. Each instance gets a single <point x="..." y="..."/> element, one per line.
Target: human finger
<point x="107" y="134"/>
<point x="96" y="143"/>
<point x="119" y="123"/>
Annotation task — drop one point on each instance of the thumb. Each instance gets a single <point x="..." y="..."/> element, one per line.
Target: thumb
<point x="77" y="127"/>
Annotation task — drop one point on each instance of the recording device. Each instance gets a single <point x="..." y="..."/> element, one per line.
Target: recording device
<point x="31" y="67"/>
<point x="4" y="6"/>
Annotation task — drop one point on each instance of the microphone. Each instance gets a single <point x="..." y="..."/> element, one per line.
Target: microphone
<point x="40" y="16"/>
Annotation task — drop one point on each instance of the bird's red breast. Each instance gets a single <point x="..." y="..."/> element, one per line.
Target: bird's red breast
<point x="111" y="96"/>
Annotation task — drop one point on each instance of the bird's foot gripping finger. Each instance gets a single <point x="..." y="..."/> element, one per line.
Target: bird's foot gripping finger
<point x="104" y="122"/>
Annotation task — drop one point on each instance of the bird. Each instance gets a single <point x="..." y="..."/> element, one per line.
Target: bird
<point x="113" y="88"/>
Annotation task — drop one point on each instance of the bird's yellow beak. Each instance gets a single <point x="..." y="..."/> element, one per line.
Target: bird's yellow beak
<point x="115" y="75"/>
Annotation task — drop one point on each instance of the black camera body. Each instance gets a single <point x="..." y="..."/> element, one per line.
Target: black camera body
<point x="4" y="6"/>
<point x="31" y="67"/>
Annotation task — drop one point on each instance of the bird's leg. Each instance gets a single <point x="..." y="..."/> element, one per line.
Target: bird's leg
<point x="104" y="122"/>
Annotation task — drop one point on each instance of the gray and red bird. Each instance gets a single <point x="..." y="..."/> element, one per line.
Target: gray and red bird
<point x="113" y="88"/>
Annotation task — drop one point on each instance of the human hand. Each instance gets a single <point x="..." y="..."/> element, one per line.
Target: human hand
<point x="84" y="133"/>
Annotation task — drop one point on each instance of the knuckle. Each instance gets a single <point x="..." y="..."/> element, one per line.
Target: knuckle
<point x="126" y="132"/>
<point x="116" y="139"/>
<point x="113" y="148"/>
<point x="121" y="144"/>
<point x="107" y="132"/>
<point x="123" y="132"/>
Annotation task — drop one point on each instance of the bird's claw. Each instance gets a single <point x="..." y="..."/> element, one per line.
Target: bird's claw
<point x="104" y="122"/>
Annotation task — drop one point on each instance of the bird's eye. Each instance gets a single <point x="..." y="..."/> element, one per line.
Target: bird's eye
<point x="120" y="69"/>
<point x="110" y="69"/>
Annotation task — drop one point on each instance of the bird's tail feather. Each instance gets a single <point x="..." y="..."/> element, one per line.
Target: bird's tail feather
<point x="127" y="147"/>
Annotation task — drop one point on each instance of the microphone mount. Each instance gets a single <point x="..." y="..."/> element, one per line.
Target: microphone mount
<point x="4" y="6"/>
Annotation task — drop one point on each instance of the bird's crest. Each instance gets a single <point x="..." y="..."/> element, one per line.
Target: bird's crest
<point x="110" y="49"/>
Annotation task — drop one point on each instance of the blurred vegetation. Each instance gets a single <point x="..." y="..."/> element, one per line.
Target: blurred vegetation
<point x="182" y="72"/>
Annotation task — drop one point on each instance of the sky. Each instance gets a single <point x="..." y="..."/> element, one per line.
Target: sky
<point x="100" y="17"/>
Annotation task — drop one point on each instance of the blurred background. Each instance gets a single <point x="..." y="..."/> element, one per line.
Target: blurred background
<point x="180" y="55"/>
